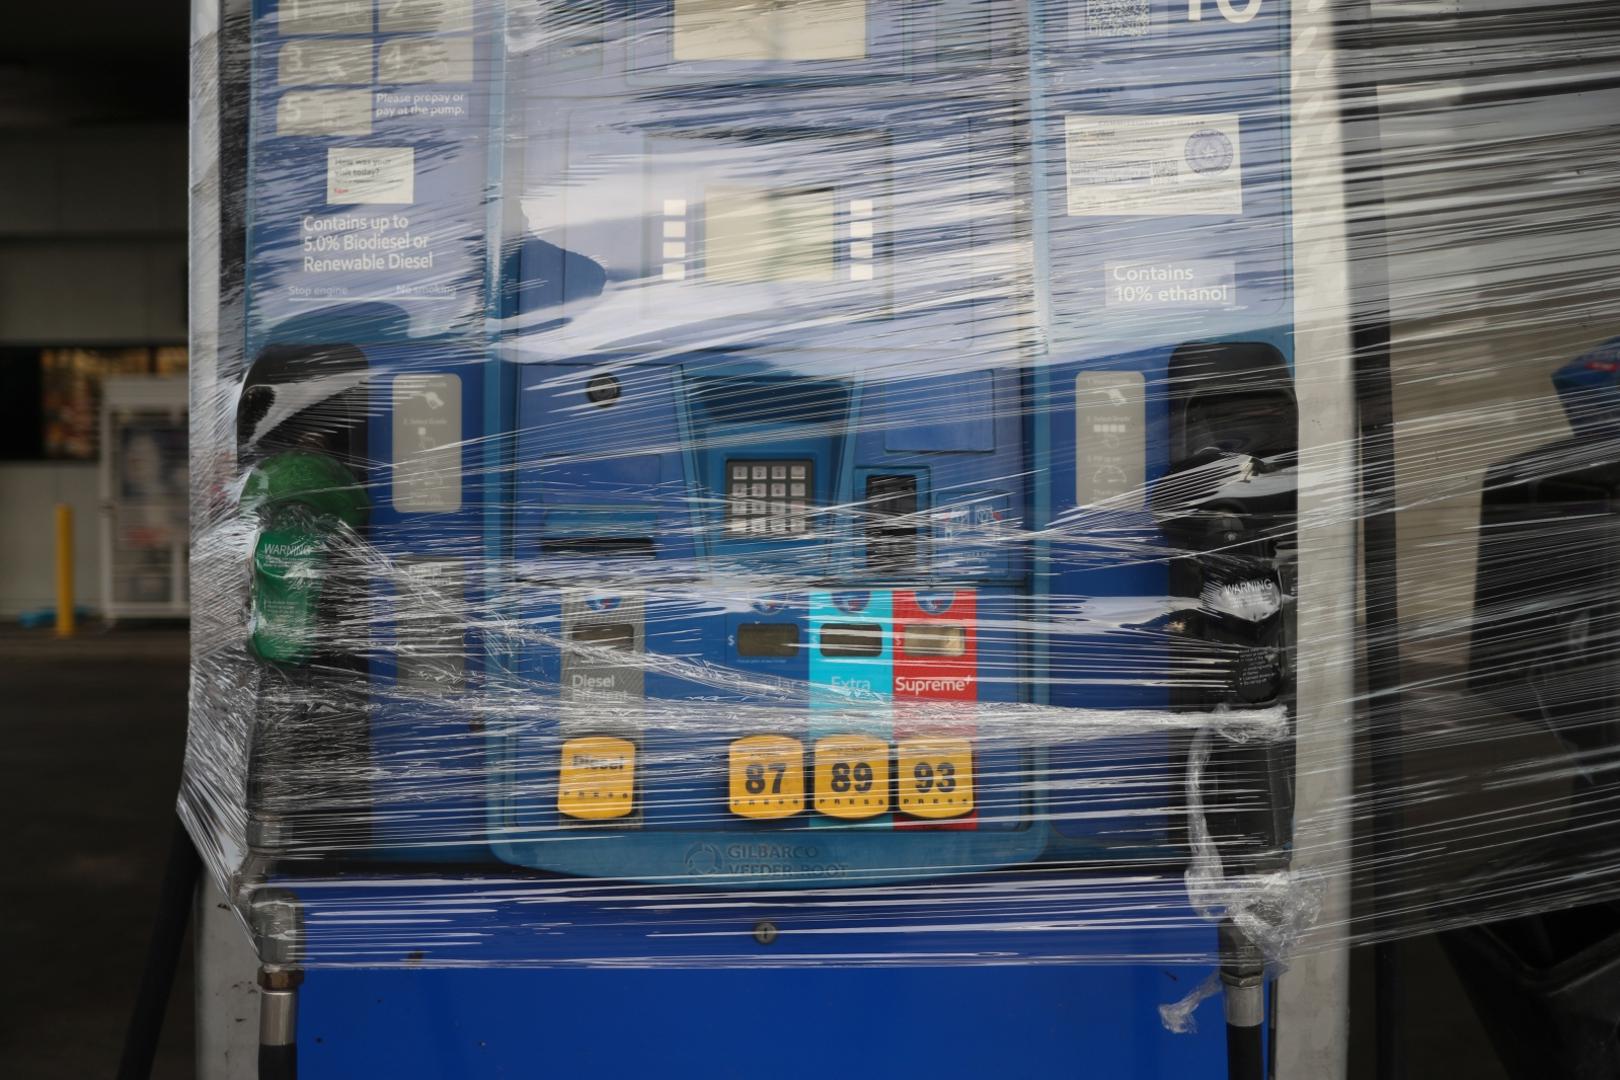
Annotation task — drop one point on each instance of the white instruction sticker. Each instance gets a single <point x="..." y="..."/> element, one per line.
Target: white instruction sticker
<point x="324" y="17"/>
<point x="426" y="60"/>
<point x="1110" y="19"/>
<point x="1154" y="165"/>
<point x="432" y="647"/>
<point x="1176" y="283"/>
<point x="371" y="175"/>
<point x="424" y="16"/>
<point x="1110" y="439"/>
<point x="318" y="61"/>
<point x="427" y="444"/>
<point x="324" y="112"/>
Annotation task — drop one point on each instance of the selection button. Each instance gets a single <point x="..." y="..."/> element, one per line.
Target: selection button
<point x="936" y="777"/>
<point x="852" y="776"/>
<point x="597" y="781"/>
<point x="767" y="777"/>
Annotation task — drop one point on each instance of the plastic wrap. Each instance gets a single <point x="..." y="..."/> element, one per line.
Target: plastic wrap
<point x="899" y="482"/>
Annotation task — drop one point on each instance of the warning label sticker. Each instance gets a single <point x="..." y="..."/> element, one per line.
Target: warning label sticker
<point x="384" y="175"/>
<point x="1153" y="165"/>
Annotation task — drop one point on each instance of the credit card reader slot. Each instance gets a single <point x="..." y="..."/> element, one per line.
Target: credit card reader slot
<point x="893" y="527"/>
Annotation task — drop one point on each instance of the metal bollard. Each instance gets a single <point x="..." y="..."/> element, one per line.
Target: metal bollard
<point x="65" y="623"/>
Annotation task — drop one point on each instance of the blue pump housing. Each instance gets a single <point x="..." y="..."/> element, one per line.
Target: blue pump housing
<point x="688" y="490"/>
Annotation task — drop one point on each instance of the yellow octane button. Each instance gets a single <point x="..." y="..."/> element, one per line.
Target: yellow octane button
<point x="852" y="776"/>
<point x="598" y="778"/>
<point x="767" y="777"/>
<point x="936" y="776"/>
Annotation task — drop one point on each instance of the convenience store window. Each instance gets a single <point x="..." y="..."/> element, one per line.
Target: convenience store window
<point x="50" y="398"/>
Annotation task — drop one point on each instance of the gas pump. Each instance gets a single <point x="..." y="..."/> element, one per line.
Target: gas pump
<point x="1545" y="623"/>
<point x="861" y="509"/>
<point x="1542" y="650"/>
<point x="1166" y="414"/>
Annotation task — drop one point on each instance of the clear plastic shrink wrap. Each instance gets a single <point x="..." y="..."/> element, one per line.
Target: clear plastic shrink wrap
<point x="727" y="483"/>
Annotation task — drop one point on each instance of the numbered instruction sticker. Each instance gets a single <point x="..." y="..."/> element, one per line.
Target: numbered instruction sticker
<point x="1153" y="165"/>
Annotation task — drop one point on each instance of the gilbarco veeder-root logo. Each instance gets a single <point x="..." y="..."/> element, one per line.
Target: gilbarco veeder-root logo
<point x="754" y="859"/>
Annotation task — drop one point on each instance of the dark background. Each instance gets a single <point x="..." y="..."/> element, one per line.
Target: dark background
<point x="93" y="61"/>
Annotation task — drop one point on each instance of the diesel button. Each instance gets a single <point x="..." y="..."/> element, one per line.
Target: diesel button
<point x="597" y="781"/>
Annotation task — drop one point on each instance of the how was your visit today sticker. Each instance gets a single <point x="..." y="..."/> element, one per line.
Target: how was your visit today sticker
<point x="1154" y="165"/>
<point x="379" y="175"/>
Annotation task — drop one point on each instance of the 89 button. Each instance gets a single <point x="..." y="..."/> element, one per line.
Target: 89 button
<point x="852" y="776"/>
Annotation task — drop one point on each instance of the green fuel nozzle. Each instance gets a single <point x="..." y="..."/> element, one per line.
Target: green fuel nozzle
<point x="303" y="502"/>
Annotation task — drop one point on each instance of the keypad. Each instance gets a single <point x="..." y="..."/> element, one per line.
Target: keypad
<point x="769" y="498"/>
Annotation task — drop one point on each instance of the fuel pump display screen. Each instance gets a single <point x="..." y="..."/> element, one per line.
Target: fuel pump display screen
<point x="924" y="641"/>
<point x="848" y="641"/>
<point x="606" y="635"/>
<point x="777" y="640"/>
<point x="752" y="30"/>
<point x="770" y="235"/>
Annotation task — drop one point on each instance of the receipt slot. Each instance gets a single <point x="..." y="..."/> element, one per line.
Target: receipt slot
<point x="764" y="533"/>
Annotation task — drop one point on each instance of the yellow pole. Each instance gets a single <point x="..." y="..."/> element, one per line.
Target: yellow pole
<point x="64" y="570"/>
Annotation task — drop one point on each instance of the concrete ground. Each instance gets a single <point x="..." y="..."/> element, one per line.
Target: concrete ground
<point x="93" y="734"/>
<point x="94" y="731"/>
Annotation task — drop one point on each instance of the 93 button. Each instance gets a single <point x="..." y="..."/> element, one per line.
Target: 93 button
<point x="936" y="777"/>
